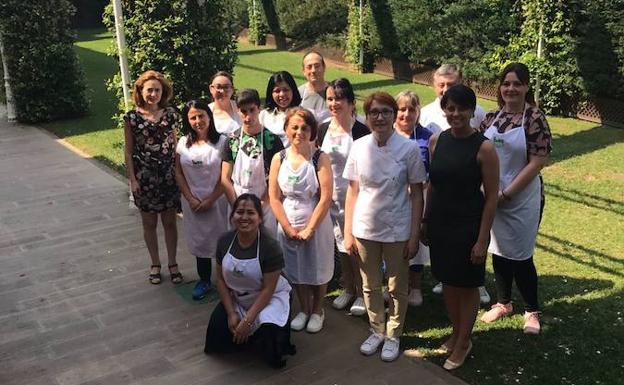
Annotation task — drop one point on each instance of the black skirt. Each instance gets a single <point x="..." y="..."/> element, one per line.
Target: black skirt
<point x="450" y="244"/>
<point x="272" y="341"/>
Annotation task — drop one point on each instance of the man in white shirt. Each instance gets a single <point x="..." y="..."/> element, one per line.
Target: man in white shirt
<point x="431" y="115"/>
<point x="313" y="91"/>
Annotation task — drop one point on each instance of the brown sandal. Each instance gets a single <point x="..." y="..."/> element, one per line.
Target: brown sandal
<point x="155" y="278"/>
<point x="176" y="278"/>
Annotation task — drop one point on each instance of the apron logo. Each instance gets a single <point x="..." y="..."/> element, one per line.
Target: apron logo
<point x="237" y="272"/>
<point x="292" y="179"/>
<point x="498" y="142"/>
<point x="197" y="162"/>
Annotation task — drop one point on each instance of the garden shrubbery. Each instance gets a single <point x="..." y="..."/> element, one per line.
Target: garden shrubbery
<point x="46" y="78"/>
<point x="188" y="41"/>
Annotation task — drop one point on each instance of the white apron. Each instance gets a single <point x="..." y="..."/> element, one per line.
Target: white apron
<point x="248" y="177"/>
<point x="338" y="148"/>
<point x="244" y="278"/>
<point x="202" y="169"/>
<point x="310" y="262"/>
<point x="516" y="221"/>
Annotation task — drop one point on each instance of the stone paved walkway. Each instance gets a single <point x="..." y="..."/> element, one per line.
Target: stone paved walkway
<point x="76" y="307"/>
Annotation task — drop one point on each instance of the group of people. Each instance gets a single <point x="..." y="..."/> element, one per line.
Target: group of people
<point x="268" y="194"/>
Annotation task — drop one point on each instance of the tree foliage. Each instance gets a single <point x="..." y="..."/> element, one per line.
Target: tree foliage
<point x="46" y="78"/>
<point x="187" y="40"/>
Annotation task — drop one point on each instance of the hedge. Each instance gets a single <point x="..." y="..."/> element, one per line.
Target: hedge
<point x="187" y="40"/>
<point x="46" y="78"/>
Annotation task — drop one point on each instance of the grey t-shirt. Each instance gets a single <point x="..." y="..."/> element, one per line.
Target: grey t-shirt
<point x="312" y="100"/>
<point x="270" y="253"/>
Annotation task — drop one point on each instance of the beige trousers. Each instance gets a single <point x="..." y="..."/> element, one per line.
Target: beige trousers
<point x="371" y="255"/>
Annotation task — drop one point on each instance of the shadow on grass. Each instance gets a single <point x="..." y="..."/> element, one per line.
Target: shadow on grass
<point x="300" y="79"/>
<point x="588" y="255"/>
<point x="583" y="198"/>
<point x="256" y="51"/>
<point x="573" y="330"/>
<point x="585" y="142"/>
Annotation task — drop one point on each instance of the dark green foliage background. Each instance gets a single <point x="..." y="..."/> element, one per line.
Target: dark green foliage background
<point x="187" y="40"/>
<point x="46" y="78"/>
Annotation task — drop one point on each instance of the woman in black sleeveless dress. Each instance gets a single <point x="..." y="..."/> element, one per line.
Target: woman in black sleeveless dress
<point x="459" y="215"/>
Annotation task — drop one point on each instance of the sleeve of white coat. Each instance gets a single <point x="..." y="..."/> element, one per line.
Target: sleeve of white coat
<point x="416" y="172"/>
<point x="350" y="170"/>
<point x="479" y="115"/>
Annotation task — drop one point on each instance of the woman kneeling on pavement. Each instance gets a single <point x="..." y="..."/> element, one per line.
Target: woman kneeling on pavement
<point x="254" y="296"/>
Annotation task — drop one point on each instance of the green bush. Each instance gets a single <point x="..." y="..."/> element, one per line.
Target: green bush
<point x="46" y="78"/>
<point x="257" y="23"/>
<point x="438" y="31"/>
<point x="187" y="40"/>
<point x="308" y="19"/>
<point x="558" y="68"/>
<point x="369" y="41"/>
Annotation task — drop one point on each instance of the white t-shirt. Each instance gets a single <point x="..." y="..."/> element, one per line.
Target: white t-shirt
<point x="382" y="210"/>
<point x="274" y="122"/>
<point x="229" y="125"/>
<point x="432" y="116"/>
<point x="314" y="102"/>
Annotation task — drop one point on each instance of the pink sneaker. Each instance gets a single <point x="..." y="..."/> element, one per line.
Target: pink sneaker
<point x="497" y="311"/>
<point x="531" y="322"/>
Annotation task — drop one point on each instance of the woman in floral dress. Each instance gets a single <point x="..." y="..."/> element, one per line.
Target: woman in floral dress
<point x="150" y="142"/>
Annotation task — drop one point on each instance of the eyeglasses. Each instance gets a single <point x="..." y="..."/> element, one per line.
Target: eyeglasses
<point x="221" y="87"/>
<point x="385" y="113"/>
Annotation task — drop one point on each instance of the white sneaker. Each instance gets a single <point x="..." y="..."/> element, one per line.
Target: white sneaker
<point x="484" y="296"/>
<point x="358" y="308"/>
<point x="437" y="289"/>
<point x="299" y="322"/>
<point x="415" y="297"/>
<point x="371" y="344"/>
<point x="315" y="323"/>
<point x="390" y="350"/>
<point x="342" y="300"/>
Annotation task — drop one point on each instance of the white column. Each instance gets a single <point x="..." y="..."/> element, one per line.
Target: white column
<point x="11" y="114"/>
<point x="121" y="47"/>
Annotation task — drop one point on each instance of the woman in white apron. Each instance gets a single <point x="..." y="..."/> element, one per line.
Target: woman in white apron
<point x="406" y="124"/>
<point x="223" y="107"/>
<point x="247" y="156"/>
<point x="281" y="94"/>
<point x="254" y="296"/>
<point x="522" y="139"/>
<point x="335" y="138"/>
<point x="198" y="174"/>
<point x="300" y="188"/>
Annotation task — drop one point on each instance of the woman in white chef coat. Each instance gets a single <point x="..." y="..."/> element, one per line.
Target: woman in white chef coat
<point x="382" y="218"/>
<point x="522" y="139"/>
<point x="281" y="94"/>
<point x="300" y="189"/>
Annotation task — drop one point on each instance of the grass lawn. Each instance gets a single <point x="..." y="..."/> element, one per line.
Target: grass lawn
<point x="579" y="255"/>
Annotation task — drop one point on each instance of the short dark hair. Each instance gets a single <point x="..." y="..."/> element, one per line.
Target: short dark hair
<point x="281" y="77"/>
<point x="461" y="95"/>
<point x="213" y="135"/>
<point x="342" y="89"/>
<point x="308" y="118"/>
<point x="167" y="90"/>
<point x="523" y="74"/>
<point x="380" y="97"/>
<point x="313" y="52"/>
<point x="247" y="96"/>
<point x="247" y="197"/>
